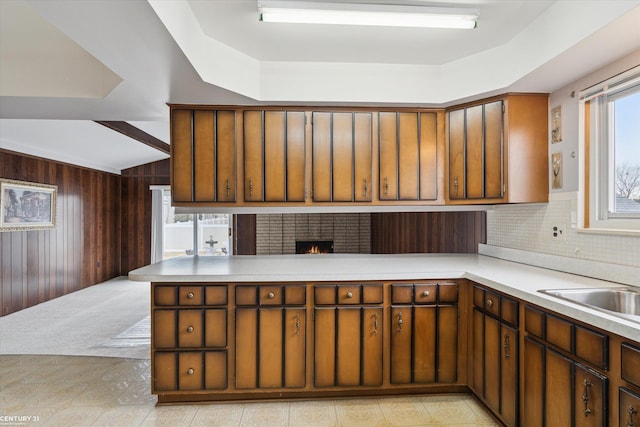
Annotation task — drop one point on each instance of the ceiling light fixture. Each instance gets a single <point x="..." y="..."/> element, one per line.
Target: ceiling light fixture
<point x="316" y="12"/>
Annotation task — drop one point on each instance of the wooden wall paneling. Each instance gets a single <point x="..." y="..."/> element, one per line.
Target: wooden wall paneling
<point x="40" y="265"/>
<point x="427" y="232"/>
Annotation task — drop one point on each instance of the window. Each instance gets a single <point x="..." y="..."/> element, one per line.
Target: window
<point x="178" y="234"/>
<point x="612" y="151"/>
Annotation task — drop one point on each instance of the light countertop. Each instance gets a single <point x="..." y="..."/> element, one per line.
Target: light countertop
<point x="518" y="280"/>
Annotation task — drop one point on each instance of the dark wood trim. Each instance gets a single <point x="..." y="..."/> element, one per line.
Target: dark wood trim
<point x="137" y="134"/>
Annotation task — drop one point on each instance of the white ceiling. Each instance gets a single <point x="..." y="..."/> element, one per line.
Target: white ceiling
<point x="65" y="63"/>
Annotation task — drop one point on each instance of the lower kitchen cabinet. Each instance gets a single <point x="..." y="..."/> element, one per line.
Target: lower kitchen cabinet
<point x="495" y="350"/>
<point x="560" y="388"/>
<point x="348" y="337"/>
<point x="424" y="333"/>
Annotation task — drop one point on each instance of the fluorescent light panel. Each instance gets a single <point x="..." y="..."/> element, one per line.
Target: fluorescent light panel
<point x="366" y="14"/>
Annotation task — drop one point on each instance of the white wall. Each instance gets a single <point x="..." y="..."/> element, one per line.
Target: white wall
<point x="529" y="227"/>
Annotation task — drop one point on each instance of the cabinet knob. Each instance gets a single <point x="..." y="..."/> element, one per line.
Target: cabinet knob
<point x="271" y="295"/>
<point x="349" y="294"/>
<point x="190" y="371"/>
<point x="190" y="329"/>
<point x="190" y="295"/>
<point x="425" y="293"/>
<point x="490" y="302"/>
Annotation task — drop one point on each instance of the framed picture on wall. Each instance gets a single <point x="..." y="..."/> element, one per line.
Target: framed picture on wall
<point x="556" y="124"/>
<point x="27" y="206"/>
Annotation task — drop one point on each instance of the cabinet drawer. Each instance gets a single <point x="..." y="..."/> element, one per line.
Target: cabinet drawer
<point x="349" y="294"/>
<point x="190" y="371"/>
<point x="165" y="295"/>
<point x="559" y="333"/>
<point x="164" y="328"/>
<point x="215" y="328"/>
<point x="215" y="295"/>
<point x="372" y="294"/>
<point x="592" y="347"/>
<point x="401" y="294"/>
<point x="190" y="328"/>
<point x="295" y="294"/>
<point x="509" y="311"/>
<point x="534" y="321"/>
<point x="190" y="295"/>
<point x="270" y="295"/>
<point x="324" y="294"/>
<point x="425" y="293"/>
<point x="447" y="293"/>
<point x="630" y="356"/>
<point x="246" y="295"/>
<point x="492" y="303"/>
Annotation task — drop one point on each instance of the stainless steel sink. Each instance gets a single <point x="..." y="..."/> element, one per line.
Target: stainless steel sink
<point x="623" y="302"/>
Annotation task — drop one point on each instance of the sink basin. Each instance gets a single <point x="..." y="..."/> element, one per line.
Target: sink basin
<point x="623" y="302"/>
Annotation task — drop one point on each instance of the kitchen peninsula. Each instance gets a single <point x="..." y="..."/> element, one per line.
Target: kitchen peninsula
<point x="300" y="326"/>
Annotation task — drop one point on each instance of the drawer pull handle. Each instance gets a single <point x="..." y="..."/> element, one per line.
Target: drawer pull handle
<point x="297" y="324"/>
<point x="425" y="293"/>
<point x="190" y="329"/>
<point x="490" y="303"/>
<point x="228" y="188"/>
<point x="366" y="187"/>
<point x="349" y="294"/>
<point x="250" y="187"/>
<point x="507" y="352"/>
<point x="190" y="295"/>
<point x="271" y="295"/>
<point x="386" y="186"/>
<point x="585" y="397"/>
<point x="631" y="412"/>
<point x="375" y="323"/>
<point x="190" y="371"/>
<point x="400" y="322"/>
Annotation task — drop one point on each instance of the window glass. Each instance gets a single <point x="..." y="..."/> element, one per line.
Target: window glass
<point x="625" y="114"/>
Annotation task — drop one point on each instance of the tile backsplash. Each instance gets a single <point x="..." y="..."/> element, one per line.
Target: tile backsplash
<point x="530" y="228"/>
<point x="277" y="233"/>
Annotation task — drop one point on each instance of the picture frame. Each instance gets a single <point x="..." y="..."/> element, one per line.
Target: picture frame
<point x="556" y="124"/>
<point x="26" y="206"/>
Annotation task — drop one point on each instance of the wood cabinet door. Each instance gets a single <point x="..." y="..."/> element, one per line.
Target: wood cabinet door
<point x="408" y="156"/>
<point x="274" y="156"/>
<point x="558" y="390"/>
<point x="372" y="345"/>
<point x="492" y="355"/>
<point x="457" y="154"/>
<point x="362" y="149"/>
<point x="424" y="344"/>
<point x="204" y="156"/>
<point x="254" y="155"/>
<point x="590" y="398"/>
<point x="270" y="347"/>
<point x="533" y="389"/>
<point x="428" y="156"/>
<point x="629" y="408"/>
<point x="225" y="156"/>
<point x="348" y="350"/>
<point x="493" y="150"/>
<point x="295" y="355"/>
<point x="477" y="348"/>
<point x="181" y="155"/>
<point x="509" y="390"/>
<point x="447" y="369"/>
<point x="246" y="347"/>
<point x="321" y="157"/>
<point x="342" y="157"/>
<point x="325" y="347"/>
<point x="400" y="327"/>
<point x="474" y="157"/>
<point x="388" y="156"/>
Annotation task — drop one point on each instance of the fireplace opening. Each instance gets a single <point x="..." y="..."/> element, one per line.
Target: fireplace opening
<point x="314" y="246"/>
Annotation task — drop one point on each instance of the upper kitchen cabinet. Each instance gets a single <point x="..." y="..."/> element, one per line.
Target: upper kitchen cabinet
<point x="497" y="150"/>
<point x="203" y="155"/>
<point x="274" y="156"/>
<point x="408" y="149"/>
<point x="341" y="153"/>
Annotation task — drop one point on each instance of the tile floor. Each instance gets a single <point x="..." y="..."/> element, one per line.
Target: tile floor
<point x="42" y="386"/>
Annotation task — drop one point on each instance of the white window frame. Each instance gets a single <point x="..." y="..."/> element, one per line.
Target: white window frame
<point x="596" y="173"/>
